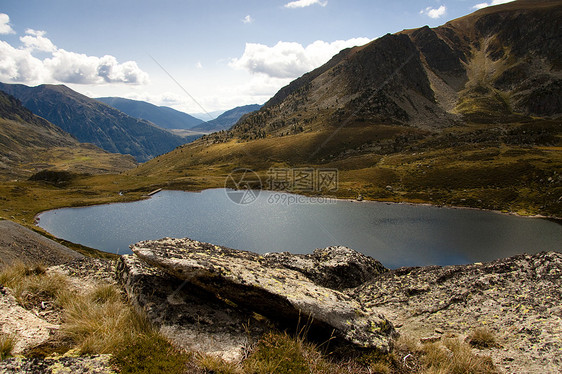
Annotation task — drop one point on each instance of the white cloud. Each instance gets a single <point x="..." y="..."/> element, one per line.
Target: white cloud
<point x="305" y="3"/>
<point x="434" y="12"/>
<point x="491" y="3"/>
<point x="61" y="66"/>
<point x="36" y="40"/>
<point x="248" y="19"/>
<point x="290" y="60"/>
<point x="18" y="65"/>
<point x="199" y="65"/>
<point x="5" y="27"/>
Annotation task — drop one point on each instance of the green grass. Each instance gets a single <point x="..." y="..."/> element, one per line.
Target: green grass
<point x="151" y="353"/>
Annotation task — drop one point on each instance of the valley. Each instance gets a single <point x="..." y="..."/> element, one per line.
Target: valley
<point x="466" y="115"/>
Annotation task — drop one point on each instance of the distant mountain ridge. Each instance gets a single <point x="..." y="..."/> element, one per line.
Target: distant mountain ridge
<point x="226" y="120"/>
<point x="91" y="121"/>
<point x="165" y="117"/>
<point x="29" y="143"/>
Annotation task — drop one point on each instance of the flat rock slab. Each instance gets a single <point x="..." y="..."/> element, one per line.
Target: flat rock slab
<point x="518" y="298"/>
<point x="275" y="291"/>
<point x="187" y="315"/>
<point x="28" y="329"/>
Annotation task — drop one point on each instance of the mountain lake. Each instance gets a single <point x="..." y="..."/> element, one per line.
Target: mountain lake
<point x="395" y="234"/>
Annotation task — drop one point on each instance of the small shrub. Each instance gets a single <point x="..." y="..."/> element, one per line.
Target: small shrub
<point x="151" y="354"/>
<point x="482" y="337"/>
<point x="278" y="353"/>
<point x="212" y="364"/>
<point x="7" y="344"/>
<point x="54" y="177"/>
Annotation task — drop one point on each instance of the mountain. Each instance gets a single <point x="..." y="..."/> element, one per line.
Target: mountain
<point x="468" y="113"/>
<point x="29" y="143"/>
<point x="91" y="121"/>
<point x="500" y="63"/>
<point x="162" y="116"/>
<point x="227" y="119"/>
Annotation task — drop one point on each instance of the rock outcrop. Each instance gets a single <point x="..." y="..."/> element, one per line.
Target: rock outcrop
<point x="517" y="298"/>
<point x="332" y="267"/>
<point x="201" y="295"/>
<point x="262" y="285"/>
<point x="189" y="316"/>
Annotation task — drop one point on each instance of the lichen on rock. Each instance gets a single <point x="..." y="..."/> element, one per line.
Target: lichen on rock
<point x="268" y="287"/>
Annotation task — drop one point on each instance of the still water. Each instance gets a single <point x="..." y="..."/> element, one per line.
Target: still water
<point x="395" y="234"/>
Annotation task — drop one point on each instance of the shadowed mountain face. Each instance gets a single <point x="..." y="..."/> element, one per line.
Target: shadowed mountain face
<point x="162" y="116"/>
<point x="226" y="120"/>
<point x="91" y="121"/>
<point x="29" y="143"/>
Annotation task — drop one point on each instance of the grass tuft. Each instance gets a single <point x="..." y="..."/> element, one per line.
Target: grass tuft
<point x="212" y="364"/>
<point x="7" y="344"/>
<point x="279" y="353"/>
<point x="482" y="337"/>
<point x="455" y="357"/>
<point x="151" y="353"/>
<point x="31" y="284"/>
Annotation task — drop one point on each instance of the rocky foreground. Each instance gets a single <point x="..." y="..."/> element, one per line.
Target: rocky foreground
<point x="349" y="296"/>
<point x="219" y="301"/>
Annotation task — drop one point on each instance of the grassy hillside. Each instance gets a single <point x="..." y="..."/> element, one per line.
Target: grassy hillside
<point x="30" y="144"/>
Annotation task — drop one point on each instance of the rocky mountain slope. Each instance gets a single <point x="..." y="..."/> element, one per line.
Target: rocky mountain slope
<point x="498" y="64"/>
<point x="226" y="120"/>
<point x="467" y="113"/>
<point x="29" y="143"/>
<point x="91" y="121"/>
<point x="162" y="116"/>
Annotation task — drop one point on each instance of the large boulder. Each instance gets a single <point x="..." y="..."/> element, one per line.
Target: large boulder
<point x="334" y="267"/>
<point x="189" y="316"/>
<point x="284" y="295"/>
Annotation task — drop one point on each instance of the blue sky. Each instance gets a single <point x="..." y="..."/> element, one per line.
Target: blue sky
<point x="224" y="53"/>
